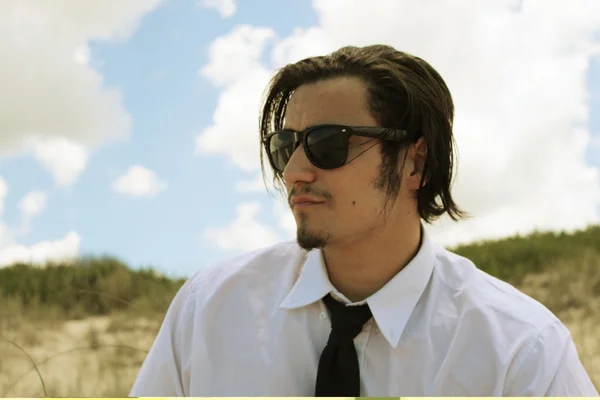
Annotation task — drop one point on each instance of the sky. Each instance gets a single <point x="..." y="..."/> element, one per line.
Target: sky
<point x="131" y="130"/>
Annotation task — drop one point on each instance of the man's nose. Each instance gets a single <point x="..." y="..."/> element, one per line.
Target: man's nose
<point x="299" y="168"/>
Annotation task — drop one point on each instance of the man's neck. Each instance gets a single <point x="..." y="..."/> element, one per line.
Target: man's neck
<point x="360" y="269"/>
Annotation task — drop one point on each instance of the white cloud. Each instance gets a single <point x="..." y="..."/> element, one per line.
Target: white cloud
<point x="300" y="44"/>
<point x="64" y="249"/>
<point x="63" y="158"/>
<point x="235" y="65"/>
<point x="54" y="104"/>
<point x="225" y="7"/>
<point x="49" y="88"/>
<point x="235" y="56"/>
<point x="31" y="206"/>
<point x="244" y="233"/>
<point x="517" y="73"/>
<point x="82" y="55"/>
<point x="139" y="181"/>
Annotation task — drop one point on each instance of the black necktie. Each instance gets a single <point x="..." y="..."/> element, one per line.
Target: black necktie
<point x="338" y="373"/>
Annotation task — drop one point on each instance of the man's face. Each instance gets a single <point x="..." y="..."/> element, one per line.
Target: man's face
<point x="353" y="202"/>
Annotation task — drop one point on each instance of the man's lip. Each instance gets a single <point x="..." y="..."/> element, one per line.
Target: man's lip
<point x="305" y="201"/>
<point x="304" y="205"/>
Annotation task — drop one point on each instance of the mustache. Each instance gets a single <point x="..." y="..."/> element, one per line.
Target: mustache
<point x="308" y="190"/>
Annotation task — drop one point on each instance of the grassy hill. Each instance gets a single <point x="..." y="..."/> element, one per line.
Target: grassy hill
<point x="98" y="314"/>
<point x="86" y="287"/>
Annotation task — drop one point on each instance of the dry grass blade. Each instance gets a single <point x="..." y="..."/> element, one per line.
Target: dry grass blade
<point x="110" y="296"/>
<point x="32" y="362"/>
<point x="62" y="353"/>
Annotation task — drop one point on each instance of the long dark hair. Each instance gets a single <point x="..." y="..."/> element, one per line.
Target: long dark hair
<point x="404" y="92"/>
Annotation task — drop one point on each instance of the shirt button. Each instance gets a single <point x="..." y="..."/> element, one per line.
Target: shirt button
<point x="322" y="316"/>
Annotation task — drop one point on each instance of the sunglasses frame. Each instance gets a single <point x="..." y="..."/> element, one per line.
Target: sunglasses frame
<point x="301" y="138"/>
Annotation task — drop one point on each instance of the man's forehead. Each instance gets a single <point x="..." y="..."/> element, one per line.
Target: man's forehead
<point x="329" y="88"/>
<point x="328" y="102"/>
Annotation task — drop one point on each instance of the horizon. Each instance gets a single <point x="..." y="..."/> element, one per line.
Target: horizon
<point x="161" y="273"/>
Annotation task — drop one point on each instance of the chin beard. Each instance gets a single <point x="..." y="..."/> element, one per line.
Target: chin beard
<point x="309" y="240"/>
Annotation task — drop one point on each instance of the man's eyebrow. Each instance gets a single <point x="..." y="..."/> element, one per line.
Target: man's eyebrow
<point x="287" y="127"/>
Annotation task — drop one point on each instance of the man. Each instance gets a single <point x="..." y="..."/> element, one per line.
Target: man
<point x="361" y="141"/>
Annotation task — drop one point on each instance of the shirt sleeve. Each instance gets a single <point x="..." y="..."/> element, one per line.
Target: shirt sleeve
<point x="161" y="372"/>
<point x="550" y="367"/>
<point x="571" y="379"/>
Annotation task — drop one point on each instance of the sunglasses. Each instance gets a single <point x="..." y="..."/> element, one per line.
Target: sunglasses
<point x="326" y="146"/>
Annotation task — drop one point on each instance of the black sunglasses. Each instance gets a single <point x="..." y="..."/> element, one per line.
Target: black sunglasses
<point x="326" y="146"/>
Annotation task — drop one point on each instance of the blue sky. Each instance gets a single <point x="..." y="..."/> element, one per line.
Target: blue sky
<point x="156" y="71"/>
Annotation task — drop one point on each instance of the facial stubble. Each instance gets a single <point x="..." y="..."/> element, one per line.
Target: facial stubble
<point x="388" y="182"/>
<point x="310" y="239"/>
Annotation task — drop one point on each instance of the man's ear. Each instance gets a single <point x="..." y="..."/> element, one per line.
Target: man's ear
<point x="418" y="154"/>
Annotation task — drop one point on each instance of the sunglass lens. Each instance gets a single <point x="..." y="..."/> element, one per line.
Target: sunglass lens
<point x="328" y="147"/>
<point x="281" y="148"/>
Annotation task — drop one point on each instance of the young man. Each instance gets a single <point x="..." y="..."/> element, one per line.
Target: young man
<point x="361" y="141"/>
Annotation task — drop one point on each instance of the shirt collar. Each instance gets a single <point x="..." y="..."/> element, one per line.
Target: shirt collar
<point x="391" y="306"/>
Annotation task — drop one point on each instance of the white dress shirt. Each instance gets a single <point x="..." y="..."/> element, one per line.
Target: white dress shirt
<point x="255" y="325"/>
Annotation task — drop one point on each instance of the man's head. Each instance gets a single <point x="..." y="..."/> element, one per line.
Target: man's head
<point x="364" y="179"/>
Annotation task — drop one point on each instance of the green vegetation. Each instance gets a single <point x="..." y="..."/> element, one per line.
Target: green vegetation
<point x="87" y="287"/>
<point x="82" y="329"/>
<point x="511" y="259"/>
<point x="98" y="286"/>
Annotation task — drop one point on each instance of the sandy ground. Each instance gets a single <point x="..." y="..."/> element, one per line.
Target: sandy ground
<point x="93" y="358"/>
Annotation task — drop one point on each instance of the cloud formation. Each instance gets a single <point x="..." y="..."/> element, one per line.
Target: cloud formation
<point x="139" y="181"/>
<point x="226" y="8"/>
<point x="235" y="66"/>
<point x="244" y="233"/>
<point x="517" y="72"/>
<point x="63" y="158"/>
<point x="45" y="92"/>
<point x="41" y="253"/>
<point x="31" y="206"/>
<point x="55" y="105"/>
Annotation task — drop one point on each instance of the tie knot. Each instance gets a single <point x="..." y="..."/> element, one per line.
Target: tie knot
<point x="346" y="321"/>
